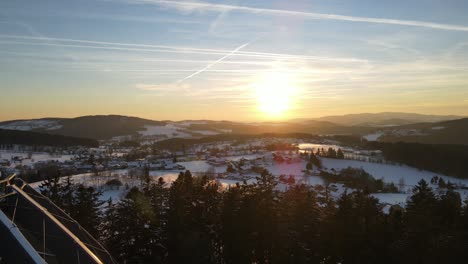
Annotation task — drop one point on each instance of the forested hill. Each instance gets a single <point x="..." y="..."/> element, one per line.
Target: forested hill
<point x="447" y="132"/>
<point x="95" y="127"/>
<point x="40" y="139"/>
<point x="446" y="159"/>
<point x="103" y="127"/>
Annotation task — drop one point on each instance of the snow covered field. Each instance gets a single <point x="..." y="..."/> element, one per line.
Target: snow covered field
<point x="374" y="136"/>
<point x="27" y="125"/>
<point x="390" y="173"/>
<point x="399" y="175"/>
<point x="176" y="130"/>
<point x="168" y="130"/>
<point x="200" y="166"/>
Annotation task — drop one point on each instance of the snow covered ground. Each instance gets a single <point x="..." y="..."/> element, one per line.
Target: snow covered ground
<point x="390" y="173"/>
<point x="374" y="136"/>
<point x="405" y="175"/>
<point x="168" y="130"/>
<point x="200" y="166"/>
<point x="205" y="132"/>
<point x="392" y="198"/>
<point x="295" y="169"/>
<point x="27" y="125"/>
<point x="179" y="130"/>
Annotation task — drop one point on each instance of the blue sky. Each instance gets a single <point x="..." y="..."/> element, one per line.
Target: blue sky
<point x="227" y="59"/>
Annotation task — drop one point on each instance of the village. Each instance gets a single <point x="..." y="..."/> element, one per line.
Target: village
<point x="113" y="169"/>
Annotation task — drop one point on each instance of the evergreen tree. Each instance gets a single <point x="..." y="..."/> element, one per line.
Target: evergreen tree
<point x="315" y="160"/>
<point x="340" y="154"/>
<point x="331" y="153"/>
<point x="298" y="239"/>
<point x="133" y="237"/>
<point x="180" y="202"/>
<point x="420" y="208"/>
<point x="86" y="208"/>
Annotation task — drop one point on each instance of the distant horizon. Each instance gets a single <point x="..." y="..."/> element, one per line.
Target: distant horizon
<point x="230" y="120"/>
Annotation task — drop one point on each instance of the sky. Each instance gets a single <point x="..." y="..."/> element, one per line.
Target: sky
<point x="232" y="60"/>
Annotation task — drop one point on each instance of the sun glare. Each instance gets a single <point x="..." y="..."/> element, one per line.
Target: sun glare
<point x="274" y="94"/>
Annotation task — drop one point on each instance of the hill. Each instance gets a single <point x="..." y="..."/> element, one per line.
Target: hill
<point x="106" y="127"/>
<point x="385" y="119"/>
<point x="392" y="127"/>
<point x="309" y="127"/>
<point x="95" y="127"/>
<point x="41" y="139"/>
<point x="447" y="132"/>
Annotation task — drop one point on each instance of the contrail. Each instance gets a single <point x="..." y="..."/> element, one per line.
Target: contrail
<point x="188" y="6"/>
<point x="92" y="44"/>
<point x="214" y="63"/>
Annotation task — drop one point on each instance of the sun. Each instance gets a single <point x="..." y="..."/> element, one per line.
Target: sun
<point x="274" y="94"/>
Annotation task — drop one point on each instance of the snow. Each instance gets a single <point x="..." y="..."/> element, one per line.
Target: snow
<point x="390" y="173"/>
<point x="392" y="198"/>
<point x="27" y="125"/>
<point x="374" y="136"/>
<point x="228" y="183"/>
<point x="387" y="172"/>
<point x="168" y="130"/>
<point x="189" y="123"/>
<point x="199" y="166"/>
<point x="205" y="132"/>
<point x="295" y="169"/>
<point x="438" y="128"/>
<point x="114" y="194"/>
<point x="168" y="177"/>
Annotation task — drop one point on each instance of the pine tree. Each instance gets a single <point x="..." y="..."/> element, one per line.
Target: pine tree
<point x="132" y="235"/>
<point x="331" y="153"/>
<point x="420" y="208"/>
<point x="315" y="160"/>
<point x="86" y="208"/>
<point x="340" y="154"/>
<point x="179" y="207"/>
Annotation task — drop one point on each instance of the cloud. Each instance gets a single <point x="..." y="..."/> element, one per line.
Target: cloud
<point x="210" y="7"/>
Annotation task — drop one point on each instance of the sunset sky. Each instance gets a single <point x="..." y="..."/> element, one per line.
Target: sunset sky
<point x="232" y="60"/>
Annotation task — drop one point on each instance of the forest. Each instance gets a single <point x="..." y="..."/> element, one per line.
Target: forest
<point x="12" y="137"/>
<point x="196" y="221"/>
<point x="450" y="160"/>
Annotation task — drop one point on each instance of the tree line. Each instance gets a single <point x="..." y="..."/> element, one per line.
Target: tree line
<point x="450" y="160"/>
<point x="16" y="137"/>
<point x="194" y="221"/>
